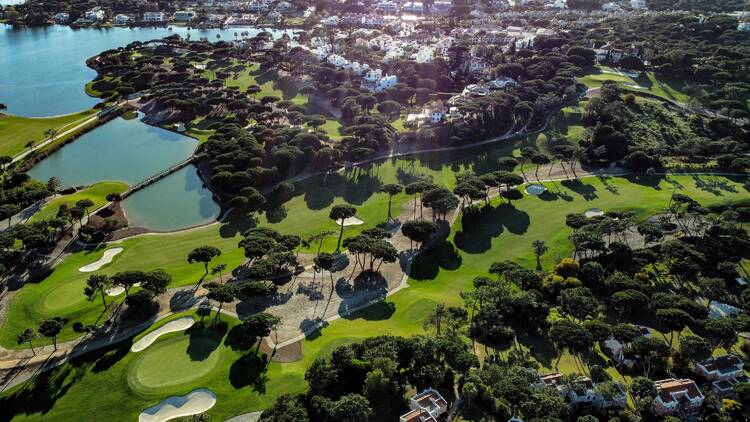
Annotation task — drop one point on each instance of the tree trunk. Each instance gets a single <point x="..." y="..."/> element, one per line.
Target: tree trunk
<point x="341" y="234"/>
<point x="389" y="207"/>
<point x="54" y="343"/>
<point x="31" y="345"/>
<point x="103" y="300"/>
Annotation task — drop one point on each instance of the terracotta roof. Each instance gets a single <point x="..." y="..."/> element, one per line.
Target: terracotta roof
<point x="418" y="415"/>
<point x="666" y="389"/>
<point x="554" y="379"/>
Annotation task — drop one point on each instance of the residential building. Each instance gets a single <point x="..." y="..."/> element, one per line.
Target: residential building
<point x="720" y="368"/>
<point x="382" y="42"/>
<point x="724" y="388"/>
<point x="184" y="15"/>
<point x="413" y="7"/>
<point x="121" y="19"/>
<point x="426" y="406"/>
<point x="337" y="61"/>
<point x="554" y="379"/>
<point x="273" y="16"/>
<point x="425" y="55"/>
<point x="743" y="27"/>
<point x="616" y="398"/>
<point x="257" y="7"/>
<point x="417" y="415"/>
<point x="285" y="7"/>
<point x="393" y="54"/>
<point x="216" y="19"/>
<point x="386" y="7"/>
<point x="443" y="45"/>
<point x="154" y="17"/>
<point x="638" y="4"/>
<point x="442" y="6"/>
<point x="61" y="18"/>
<point x="582" y="392"/>
<point x="94" y="15"/>
<point x="478" y="65"/>
<point x="675" y="396"/>
<point x="331" y="21"/>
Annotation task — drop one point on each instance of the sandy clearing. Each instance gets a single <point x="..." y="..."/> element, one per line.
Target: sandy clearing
<point x="192" y="403"/>
<point x="178" y="324"/>
<point x="353" y="221"/>
<point x="104" y="260"/>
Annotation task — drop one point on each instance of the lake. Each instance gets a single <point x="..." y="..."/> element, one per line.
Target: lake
<point x="179" y="200"/>
<point x="43" y="70"/>
<point x="124" y="150"/>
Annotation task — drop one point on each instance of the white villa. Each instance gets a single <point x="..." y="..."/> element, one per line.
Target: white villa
<point x="154" y="17"/>
<point x="393" y="54"/>
<point x="61" y="18"/>
<point x="375" y="81"/>
<point x="743" y="27"/>
<point x="386" y="7"/>
<point x="677" y="396"/>
<point x="442" y="6"/>
<point x="443" y="45"/>
<point x="425" y="55"/>
<point x="413" y="7"/>
<point x="121" y="19"/>
<point x="382" y="42"/>
<point x="184" y="16"/>
<point x="638" y="4"/>
<point x="95" y="15"/>
<point x="426" y="406"/>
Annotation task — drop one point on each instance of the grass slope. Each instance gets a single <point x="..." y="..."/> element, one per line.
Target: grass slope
<point x="97" y="193"/>
<point x="647" y="82"/>
<point x="17" y="131"/>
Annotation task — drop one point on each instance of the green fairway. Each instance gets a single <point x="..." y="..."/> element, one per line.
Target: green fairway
<point x="97" y="193"/>
<point x="218" y="356"/>
<point x="661" y="86"/>
<point x="17" y="131"/>
<point x="501" y="232"/>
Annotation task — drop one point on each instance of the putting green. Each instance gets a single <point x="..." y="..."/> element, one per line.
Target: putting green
<point x="64" y="296"/>
<point x="178" y="360"/>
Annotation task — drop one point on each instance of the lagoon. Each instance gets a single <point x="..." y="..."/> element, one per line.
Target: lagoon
<point x="126" y="150"/>
<point x="179" y="200"/>
<point x="43" y="70"/>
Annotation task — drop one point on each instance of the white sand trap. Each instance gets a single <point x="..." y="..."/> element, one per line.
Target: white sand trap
<point x="179" y="324"/>
<point x="593" y="212"/>
<point x="632" y="85"/>
<point x="353" y="221"/>
<point x="192" y="403"/>
<point x="104" y="260"/>
<point x="118" y="290"/>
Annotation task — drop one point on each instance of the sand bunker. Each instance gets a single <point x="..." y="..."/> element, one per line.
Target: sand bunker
<point x="192" y="403"/>
<point x="535" y="189"/>
<point x="179" y="324"/>
<point x="104" y="260"/>
<point x="353" y="221"/>
<point x="632" y="85"/>
<point x="118" y="290"/>
<point x="593" y="212"/>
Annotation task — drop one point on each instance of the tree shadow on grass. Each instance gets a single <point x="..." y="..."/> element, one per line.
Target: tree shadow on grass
<point x="205" y="339"/>
<point x="250" y="370"/>
<point x="38" y="395"/>
<point x="588" y="192"/>
<point x="443" y="255"/>
<point x="111" y="357"/>
<point x="379" y="311"/>
<point x="714" y="185"/>
<point x="479" y="228"/>
<point x="643" y="180"/>
<point x="539" y="347"/>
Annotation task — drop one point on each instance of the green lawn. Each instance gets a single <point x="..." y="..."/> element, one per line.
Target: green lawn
<point x="97" y="193"/>
<point x="502" y="232"/>
<point x="17" y="131"/>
